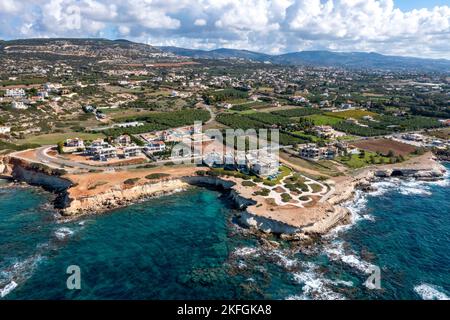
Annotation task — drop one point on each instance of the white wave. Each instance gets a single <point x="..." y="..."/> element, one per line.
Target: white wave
<point x="414" y="187"/>
<point x="368" y="217"/>
<point x="336" y="252"/>
<point x="18" y="273"/>
<point x="441" y="183"/>
<point x="314" y="286"/>
<point x="343" y="283"/>
<point x="7" y="289"/>
<point x="284" y="261"/>
<point x="415" y="191"/>
<point x="246" y="251"/>
<point x="63" y="233"/>
<point x="430" y="292"/>
<point x="356" y="206"/>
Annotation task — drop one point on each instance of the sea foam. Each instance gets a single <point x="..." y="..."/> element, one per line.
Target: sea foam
<point x="315" y="286"/>
<point x="336" y="252"/>
<point x="63" y="233"/>
<point x="430" y="292"/>
<point x="7" y="289"/>
<point x="18" y="273"/>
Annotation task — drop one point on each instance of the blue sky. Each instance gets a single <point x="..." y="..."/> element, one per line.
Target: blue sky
<point x="270" y="26"/>
<point x="419" y="4"/>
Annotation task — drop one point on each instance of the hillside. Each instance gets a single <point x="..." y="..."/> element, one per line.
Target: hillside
<point x="127" y="51"/>
<point x="77" y="48"/>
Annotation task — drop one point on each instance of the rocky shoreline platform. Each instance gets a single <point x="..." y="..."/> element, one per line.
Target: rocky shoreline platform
<point x="95" y="192"/>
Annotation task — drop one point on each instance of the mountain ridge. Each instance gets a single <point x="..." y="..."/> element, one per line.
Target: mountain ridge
<point x="370" y="60"/>
<point x="106" y="48"/>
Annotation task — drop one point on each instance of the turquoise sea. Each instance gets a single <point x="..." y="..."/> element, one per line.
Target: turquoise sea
<point x="188" y="246"/>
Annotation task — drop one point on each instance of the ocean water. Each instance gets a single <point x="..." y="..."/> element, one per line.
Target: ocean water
<point x="188" y="246"/>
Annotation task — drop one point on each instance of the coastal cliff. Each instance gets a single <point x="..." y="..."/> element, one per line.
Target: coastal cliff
<point x="96" y="192"/>
<point x="119" y="197"/>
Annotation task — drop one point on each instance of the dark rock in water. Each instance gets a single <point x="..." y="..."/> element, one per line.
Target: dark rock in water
<point x="369" y="188"/>
<point x="269" y="244"/>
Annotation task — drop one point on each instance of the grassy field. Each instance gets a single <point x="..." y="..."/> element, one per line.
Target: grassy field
<point x="54" y="138"/>
<point x="354" y="161"/>
<point x="355" y="114"/>
<point x="320" y="120"/>
<point x="125" y="114"/>
<point x="313" y="169"/>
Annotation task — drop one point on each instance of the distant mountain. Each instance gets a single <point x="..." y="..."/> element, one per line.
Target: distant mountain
<point x="360" y="60"/>
<point x="356" y="60"/>
<point x="221" y="53"/>
<point x="81" y="48"/>
<point x="119" y="51"/>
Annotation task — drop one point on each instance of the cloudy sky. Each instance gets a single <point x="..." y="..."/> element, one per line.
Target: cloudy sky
<point x="402" y="27"/>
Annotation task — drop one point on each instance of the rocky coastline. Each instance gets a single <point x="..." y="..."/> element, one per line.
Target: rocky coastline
<point x="327" y="215"/>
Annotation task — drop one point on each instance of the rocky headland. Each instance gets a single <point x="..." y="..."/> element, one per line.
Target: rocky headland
<point x="96" y="192"/>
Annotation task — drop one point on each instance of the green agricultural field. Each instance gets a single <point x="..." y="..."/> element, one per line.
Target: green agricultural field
<point x="355" y="114"/>
<point x="320" y="120"/>
<point x="54" y="138"/>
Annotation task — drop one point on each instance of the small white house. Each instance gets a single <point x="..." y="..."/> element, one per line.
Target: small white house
<point x="131" y="151"/>
<point x="74" y="143"/>
<point x="5" y="130"/>
<point x="155" y="146"/>
<point x="19" y="105"/>
<point x="15" y="93"/>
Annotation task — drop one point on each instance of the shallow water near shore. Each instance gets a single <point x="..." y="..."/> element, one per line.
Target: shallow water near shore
<point x="186" y="246"/>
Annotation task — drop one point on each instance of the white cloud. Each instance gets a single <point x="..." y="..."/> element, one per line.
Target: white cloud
<point x="200" y="22"/>
<point x="264" y="25"/>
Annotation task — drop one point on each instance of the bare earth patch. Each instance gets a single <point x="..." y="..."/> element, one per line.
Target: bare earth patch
<point x="384" y="146"/>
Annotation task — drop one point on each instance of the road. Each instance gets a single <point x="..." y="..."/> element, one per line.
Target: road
<point x="211" y="112"/>
<point x="58" y="163"/>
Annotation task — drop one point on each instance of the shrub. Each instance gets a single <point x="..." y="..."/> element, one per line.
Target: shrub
<point x="315" y="187"/>
<point x="97" y="184"/>
<point x="285" y="197"/>
<point x="213" y="173"/>
<point x="270" y="183"/>
<point x="200" y="172"/>
<point x="248" y="184"/>
<point x="131" y="181"/>
<point x="158" y="175"/>
<point x="263" y="192"/>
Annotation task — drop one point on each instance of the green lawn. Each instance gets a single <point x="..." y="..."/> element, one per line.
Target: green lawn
<point x="354" y="161"/>
<point x="54" y="138"/>
<point x="285" y="171"/>
<point x="355" y="114"/>
<point x="320" y="120"/>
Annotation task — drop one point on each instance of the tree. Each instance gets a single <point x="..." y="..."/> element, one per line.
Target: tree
<point x="61" y="147"/>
